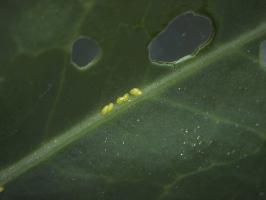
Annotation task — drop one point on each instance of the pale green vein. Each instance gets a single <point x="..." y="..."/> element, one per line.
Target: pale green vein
<point x="56" y="99"/>
<point x="142" y="23"/>
<point x="84" y="175"/>
<point x="209" y="115"/>
<point x="58" y="143"/>
<point x="167" y="188"/>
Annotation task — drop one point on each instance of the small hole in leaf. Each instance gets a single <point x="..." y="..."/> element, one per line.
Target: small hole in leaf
<point x="85" y="52"/>
<point x="263" y="54"/>
<point x="182" y="39"/>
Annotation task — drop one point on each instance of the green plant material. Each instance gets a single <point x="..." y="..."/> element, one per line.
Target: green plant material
<point x="196" y="132"/>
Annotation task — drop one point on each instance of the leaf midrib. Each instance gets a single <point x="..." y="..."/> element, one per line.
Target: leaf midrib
<point x="89" y="123"/>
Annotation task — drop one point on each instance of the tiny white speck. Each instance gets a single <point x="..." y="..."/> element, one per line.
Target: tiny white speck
<point x="198" y="126"/>
<point x="123" y="142"/>
<point x="257" y="124"/>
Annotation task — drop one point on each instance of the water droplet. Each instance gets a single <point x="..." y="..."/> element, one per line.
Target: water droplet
<point x="236" y="125"/>
<point x="85" y="52"/>
<point x="182" y="39"/>
<point x="261" y="194"/>
<point x="184" y="34"/>
<point x="2" y="79"/>
<point x="73" y="179"/>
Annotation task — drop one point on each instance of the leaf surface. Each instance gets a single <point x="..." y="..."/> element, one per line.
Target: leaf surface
<point x="197" y="132"/>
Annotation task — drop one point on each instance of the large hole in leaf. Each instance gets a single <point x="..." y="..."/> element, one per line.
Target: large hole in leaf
<point x="263" y="54"/>
<point x="182" y="39"/>
<point x="85" y="52"/>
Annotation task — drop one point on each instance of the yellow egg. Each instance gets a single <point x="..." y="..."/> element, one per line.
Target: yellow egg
<point x="135" y="92"/>
<point x="104" y="110"/>
<point x="107" y="109"/>
<point x="110" y="107"/>
<point x="126" y="97"/>
<point x="2" y="189"/>
<point x="122" y="99"/>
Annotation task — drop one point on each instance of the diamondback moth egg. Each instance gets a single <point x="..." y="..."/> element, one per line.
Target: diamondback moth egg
<point x="135" y="92"/>
<point x="107" y="109"/>
<point x="122" y="99"/>
<point x="110" y="107"/>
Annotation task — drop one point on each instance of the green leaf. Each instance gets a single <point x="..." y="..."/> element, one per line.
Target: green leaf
<point x="198" y="130"/>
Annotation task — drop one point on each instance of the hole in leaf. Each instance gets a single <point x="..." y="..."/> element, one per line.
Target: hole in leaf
<point x="263" y="54"/>
<point x="85" y="52"/>
<point x="182" y="39"/>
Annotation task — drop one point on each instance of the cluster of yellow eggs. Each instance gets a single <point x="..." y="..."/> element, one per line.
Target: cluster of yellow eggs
<point x="120" y="100"/>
